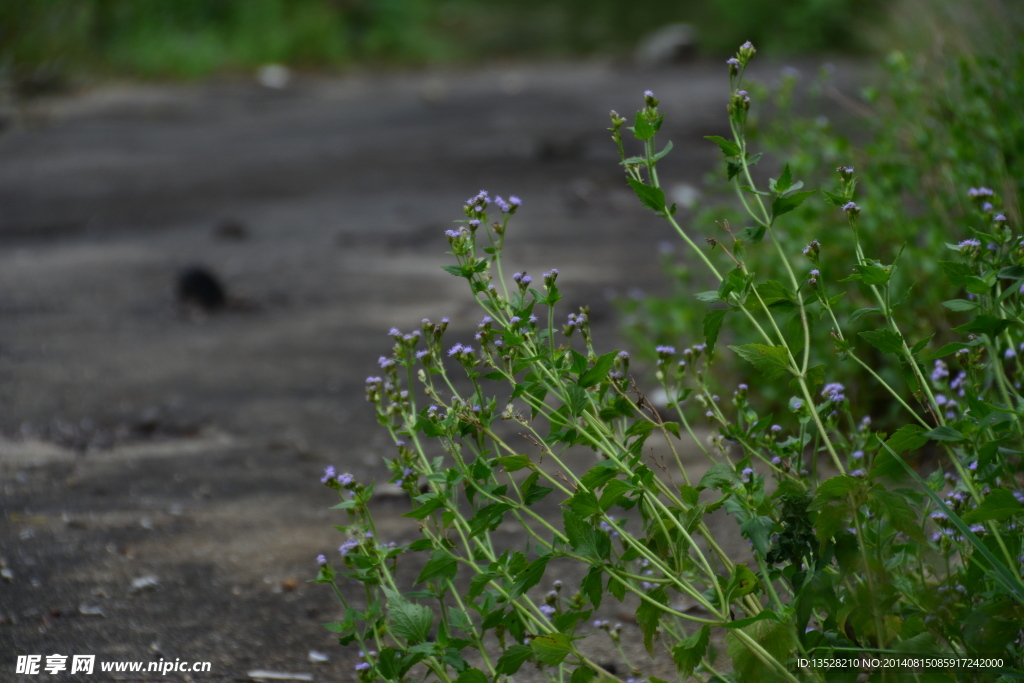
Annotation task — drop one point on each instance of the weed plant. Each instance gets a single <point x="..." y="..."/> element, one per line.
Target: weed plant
<point x="859" y="564"/>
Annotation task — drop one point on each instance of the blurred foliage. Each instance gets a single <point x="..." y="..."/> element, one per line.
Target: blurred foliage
<point x="940" y="118"/>
<point x="50" y="39"/>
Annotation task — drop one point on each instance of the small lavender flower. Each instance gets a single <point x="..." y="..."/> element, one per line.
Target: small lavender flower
<point x="968" y="243"/>
<point x="1010" y="353"/>
<point x="455" y="349"/>
<point x="348" y="546"/>
<point x="973" y="467"/>
<point x="940" y="371"/>
<point x="474" y="224"/>
<point x="851" y="209"/>
<point x="329" y="474"/>
<point x="775" y="429"/>
<point x="422" y="353"/>
<point x="384" y="362"/>
<point x="857" y="455"/>
<point x="746" y="474"/>
<point x="363" y="666"/>
<point x="999" y="218"/>
<point x="502" y="205"/>
<point x="776" y="461"/>
<point x="666" y="350"/>
<point x="834" y="392"/>
<point x="547" y="610"/>
<point x="977" y="528"/>
<point x="321" y="560"/>
<point x="1019" y="496"/>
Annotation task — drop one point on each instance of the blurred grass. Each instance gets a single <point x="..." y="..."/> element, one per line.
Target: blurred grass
<point x="54" y="39"/>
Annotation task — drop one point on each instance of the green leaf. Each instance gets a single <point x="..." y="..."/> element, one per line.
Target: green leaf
<point x="885" y="341"/>
<point x="863" y="311"/>
<point x="472" y="675"/>
<point x="433" y="503"/>
<point x="648" y="615"/>
<point x="741" y="582"/>
<point x="660" y="155"/>
<point x="712" y="325"/>
<point x="551" y="648"/>
<point x="772" y="292"/>
<point x="777" y="638"/>
<point x="784" y="182"/>
<point x="1012" y="273"/>
<point x="729" y="148"/>
<point x="957" y="273"/>
<point x="651" y="197"/>
<point x="874" y="275"/>
<point x="706" y="297"/>
<point x="836" y="487"/>
<point x="583" y="674"/>
<point x="895" y="508"/>
<point x="734" y="281"/>
<point x="532" y="492"/>
<point x="944" y="433"/>
<point x="960" y="305"/>
<point x="408" y="620"/>
<point x="1000" y="504"/>
<point x="642" y="128"/>
<point x="514" y="463"/>
<point x="688" y="653"/>
<point x="907" y="438"/>
<point x="984" y="324"/>
<point x="457" y="271"/>
<point x="592" y="585"/>
<point x="513" y="658"/>
<point x="772" y="361"/>
<point x="835" y="199"/>
<point x="577" y="399"/>
<point x="529" y="577"/>
<point x="759" y="531"/>
<point x="783" y="205"/>
<point x="720" y="477"/>
<point x="442" y="565"/>
<point x="752" y="233"/>
<point x="600" y="370"/>
<point x="613" y="491"/>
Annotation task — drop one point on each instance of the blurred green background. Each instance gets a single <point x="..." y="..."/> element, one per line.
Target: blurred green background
<point x="53" y="39"/>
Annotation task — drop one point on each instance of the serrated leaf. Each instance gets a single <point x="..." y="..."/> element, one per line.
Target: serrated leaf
<point x="442" y="565"/>
<point x="729" y="148"/>
<point x="752" y="233"/>
<point x="592" y="585"/>
<point x="885" y="341"/>
<point x="783" y="205"/>
<point x="651" y="197"/>
<point x="472" y="675"/>
<point x="785" y="180"/>
<point x="583" y="674"/>
<point x="613" y="491"/>
<point x="772" y="361"/>
<point x="957" y="273"/>
<point x="772" y="292"/>
<point x="688" y="653"/>
<point x="742" y="582"/>
<point x="530" y="576"/>
<point x="712" y="325"/>
<point x="720" y="477"/>
<point x="577" y="399"/>
<point x="513" y="658"/>
<point x="408" y="620"/>
<point x="648" y="615"/>
<point x="551" y="648"/>
<point x="998" y="505"/>
<point x="895" y="508"/>
<point x="835" y="488"/>
<point x="907" y="438"/>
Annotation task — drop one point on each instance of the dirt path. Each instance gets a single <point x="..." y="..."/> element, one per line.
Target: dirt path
<point x="159" y="468"/>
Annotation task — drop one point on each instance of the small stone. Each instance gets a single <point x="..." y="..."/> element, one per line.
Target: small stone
<point x="145" y="582"/>
<point x="290" y="584"/>
<point x="318" y="657"/>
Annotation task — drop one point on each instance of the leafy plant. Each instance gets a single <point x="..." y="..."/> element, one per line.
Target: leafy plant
<point x="858" y="562"/>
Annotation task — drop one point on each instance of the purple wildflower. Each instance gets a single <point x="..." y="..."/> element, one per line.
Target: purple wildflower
<point x="321" y="560"/>
<point x="834" y="392"/>
<point x="329" y="474"/>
